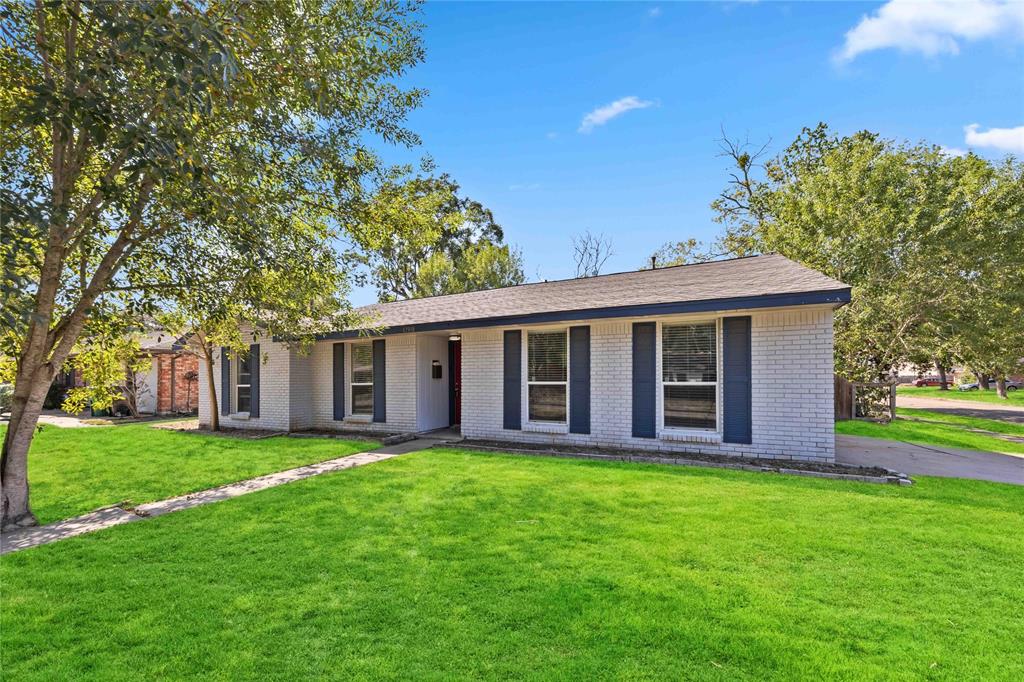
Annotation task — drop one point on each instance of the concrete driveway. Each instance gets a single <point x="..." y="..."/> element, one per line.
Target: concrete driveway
<point x="929" y="460"/>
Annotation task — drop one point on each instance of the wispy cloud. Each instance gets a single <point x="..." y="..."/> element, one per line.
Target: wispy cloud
<point x="953" y="151"/>
<point x="932" y="27"/>
<point x="552" y="135"/>
<point x="654" y="12"/>
<point x="601" y="115"/>
<point x="1003" y="139"/>
<point x="525" y="187"/>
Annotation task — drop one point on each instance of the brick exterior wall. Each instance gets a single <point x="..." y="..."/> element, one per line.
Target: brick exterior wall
<point x="174" y="392"/>
<point x="792" y="383"/>
<point x="297" y="391"/>
<point x="791" y="358"/>
<point x="399" y="380"/>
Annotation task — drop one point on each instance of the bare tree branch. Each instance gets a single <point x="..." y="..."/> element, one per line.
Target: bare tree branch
<point x="590" y="252"/>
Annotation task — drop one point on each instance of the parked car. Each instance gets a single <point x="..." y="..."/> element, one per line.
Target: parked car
<point x="928" y="381"/>
<point x="1011" y="385"/>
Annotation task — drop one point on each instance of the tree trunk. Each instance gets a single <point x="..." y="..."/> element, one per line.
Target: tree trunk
<point x="214" y="412"/>
<point x="1001" y="387"/>
<point x="983" y="382"/>
<point x="25" y="409"/>
<point x="943" y="383"/>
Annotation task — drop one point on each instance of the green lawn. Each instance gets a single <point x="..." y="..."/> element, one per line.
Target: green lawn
<point x="1015" y="398"/>
<point x="451" y="565"/>
<point x="915" y="426"/>
<point x="73" y="471"/>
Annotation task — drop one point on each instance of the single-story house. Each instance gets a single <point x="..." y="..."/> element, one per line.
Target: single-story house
<point x="726" y="357"/>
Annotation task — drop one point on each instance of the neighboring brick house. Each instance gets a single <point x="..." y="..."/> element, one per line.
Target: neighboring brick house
<point x="172" y="383"/>
<point x="727" y="357"/>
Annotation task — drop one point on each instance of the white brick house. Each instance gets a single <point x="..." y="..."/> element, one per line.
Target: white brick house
<point x="729" y="357"/>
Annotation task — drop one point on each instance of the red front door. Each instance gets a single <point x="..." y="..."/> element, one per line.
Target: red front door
<point x="456" y="371"/>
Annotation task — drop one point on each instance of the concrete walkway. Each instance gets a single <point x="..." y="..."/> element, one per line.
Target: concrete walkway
<point x="57" y="418"/>
<point x="929" y="460"/>
<point x="964" y="408"/>
<point x="24" y="538"/>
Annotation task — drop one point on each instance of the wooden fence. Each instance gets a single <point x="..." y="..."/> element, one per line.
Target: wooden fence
<point x="872" y="400"/>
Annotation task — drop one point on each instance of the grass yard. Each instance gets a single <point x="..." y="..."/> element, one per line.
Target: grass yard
<point x="918" y="426"/>
<point x="447" y="565"/>
<point x="1014" y="398"/>
<point x="73" y="471"/>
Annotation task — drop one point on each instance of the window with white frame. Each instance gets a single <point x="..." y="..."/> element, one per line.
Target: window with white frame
<point x="689" y="375"/>
<point x="547" y="371"/>
<point x="243" y="384"/>
<point x="362" y="378"/>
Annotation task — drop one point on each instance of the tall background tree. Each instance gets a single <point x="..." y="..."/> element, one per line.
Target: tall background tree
<point x="931" y="244"/>
<point x="419" y="237"/>
<point x="130" y="127"/>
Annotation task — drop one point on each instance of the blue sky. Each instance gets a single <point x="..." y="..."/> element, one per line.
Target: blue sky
<point x="511" y="83"/>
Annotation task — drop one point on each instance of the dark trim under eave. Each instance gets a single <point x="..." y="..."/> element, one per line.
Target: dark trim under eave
<point x="832" y="296"/>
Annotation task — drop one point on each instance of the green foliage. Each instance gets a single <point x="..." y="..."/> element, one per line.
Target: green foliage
<point x="421" y="223"/>
<point x="479" y="266"/>
<point x="112" y="369"/>
<point x="931" y="245"/>
<point x="149" y="147"/>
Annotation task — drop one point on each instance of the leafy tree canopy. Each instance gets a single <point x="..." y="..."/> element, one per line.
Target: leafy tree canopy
<point x="145" y="145"/>
<point x="418" y="222"/>
<point x="931" y="245"/>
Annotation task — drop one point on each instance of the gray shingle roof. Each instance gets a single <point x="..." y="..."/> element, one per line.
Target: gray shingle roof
<point x="769" y="275"/>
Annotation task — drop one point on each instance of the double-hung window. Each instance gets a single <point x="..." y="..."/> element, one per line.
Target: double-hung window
<point x="689" y="375"/>
<point x="362" y="378"/>
<point x="243" y="384"/>
<point x="546" y="376"/>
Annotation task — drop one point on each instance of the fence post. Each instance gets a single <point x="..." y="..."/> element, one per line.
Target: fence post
<point x="892" y="402"/>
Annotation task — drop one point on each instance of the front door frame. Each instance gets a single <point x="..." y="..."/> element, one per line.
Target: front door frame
<point x="454" y="382"/>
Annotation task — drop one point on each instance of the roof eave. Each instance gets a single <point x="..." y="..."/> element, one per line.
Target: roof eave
<point x="834" y="297"/>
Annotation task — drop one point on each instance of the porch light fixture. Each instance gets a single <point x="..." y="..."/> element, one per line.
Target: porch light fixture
<point x="455" y="337"/>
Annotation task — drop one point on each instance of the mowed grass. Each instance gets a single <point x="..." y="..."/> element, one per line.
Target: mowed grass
<point x="73" y="471"/>
<point x="1013" y="398"/>
<point x="918" y="426"/>
<point x="452" y="565"/>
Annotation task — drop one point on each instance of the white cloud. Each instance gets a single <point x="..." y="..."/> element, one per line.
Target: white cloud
<point x="654" y="12"/>
<point x="932" y="27"/>
<point x="601" y="115"/>
<point x="953" y="151"/>
<point x="1003" y="139"/>
<point x="551" y="135"/>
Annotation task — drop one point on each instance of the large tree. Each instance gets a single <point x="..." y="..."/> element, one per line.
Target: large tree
<point x="901" y="223"/>
<point x="423" y="220"/>
<point x="129" y="128"/>
<point x="479" y="266"/>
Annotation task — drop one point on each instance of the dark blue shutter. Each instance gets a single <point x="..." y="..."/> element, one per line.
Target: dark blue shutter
<point x="254" y="381"/>
<point x="579" y="379"/>
<point x="644" y="384"/>
<point x="225" y="381"/>
<point x="736" y="388"/>
<point x="379" y="397"/>
<point x="513" y="385"/>
<point x="338" y="380"/>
